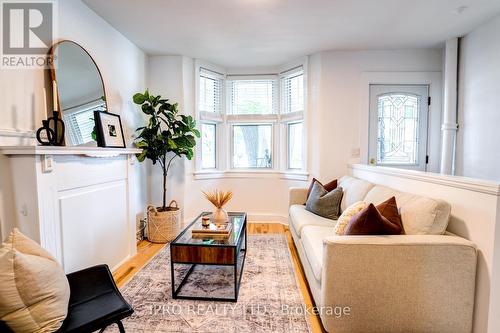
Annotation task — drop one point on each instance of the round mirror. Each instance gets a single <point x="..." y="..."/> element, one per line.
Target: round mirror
<point x="80" y="91"/>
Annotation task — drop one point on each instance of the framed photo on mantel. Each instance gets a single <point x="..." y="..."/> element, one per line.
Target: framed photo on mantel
<point x="109" y="130"/>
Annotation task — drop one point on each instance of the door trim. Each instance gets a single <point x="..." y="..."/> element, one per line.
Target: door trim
<point x="433" y="79"/>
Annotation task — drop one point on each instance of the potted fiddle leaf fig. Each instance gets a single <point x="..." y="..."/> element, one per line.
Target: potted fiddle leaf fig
<point x="166" y="135"/>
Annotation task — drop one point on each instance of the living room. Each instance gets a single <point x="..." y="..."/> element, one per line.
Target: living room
<point x="265" y="166"/>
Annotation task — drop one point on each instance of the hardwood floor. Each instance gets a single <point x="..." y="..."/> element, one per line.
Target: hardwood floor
<point x="147" y="250"/>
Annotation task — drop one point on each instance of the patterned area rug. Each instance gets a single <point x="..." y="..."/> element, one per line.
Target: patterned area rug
<point x="269" y="298"/>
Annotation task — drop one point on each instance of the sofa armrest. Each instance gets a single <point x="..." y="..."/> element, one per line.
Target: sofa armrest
<point x="297" y="196"/>
<point x="399" y="283"/>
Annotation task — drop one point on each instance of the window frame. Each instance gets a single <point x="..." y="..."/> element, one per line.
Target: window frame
<point x="253" y="119"/>
<point x="288" y="124"/>
<point x="231" y="144"/>
<point x="216" y="126"/>
<point x="287" y="118"/>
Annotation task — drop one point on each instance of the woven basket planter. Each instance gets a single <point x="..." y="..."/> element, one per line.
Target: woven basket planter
<point x="163" y="226"/>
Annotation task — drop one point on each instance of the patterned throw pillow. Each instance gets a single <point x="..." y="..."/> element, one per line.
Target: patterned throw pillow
<point x="347" y="215"/>
<point x="381" y="220"/>
<point x="324" y="203"/>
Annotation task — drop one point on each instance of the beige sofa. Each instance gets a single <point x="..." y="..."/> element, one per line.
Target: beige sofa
<point x="423" y="281"/>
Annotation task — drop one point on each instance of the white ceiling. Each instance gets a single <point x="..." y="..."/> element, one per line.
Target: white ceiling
<point x="242" y="33"/>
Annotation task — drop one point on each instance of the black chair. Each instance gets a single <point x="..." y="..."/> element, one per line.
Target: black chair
<point x="94" y="303"/>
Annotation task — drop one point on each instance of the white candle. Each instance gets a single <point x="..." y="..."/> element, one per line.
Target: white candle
<point x="54" y="95"/>
<point x="45" y="102"/>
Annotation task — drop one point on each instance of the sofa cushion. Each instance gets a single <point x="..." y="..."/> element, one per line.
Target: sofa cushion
<point x="354" y="190"/>
<point x="328" y="186"/>
<point x="371" y="221"/>
<point x="420" y="215"/>
<point x="33" y="287"/>
<point x="389" y="210"/>
<point x="324" y="203"/>
<point x="312" y="241"/>
<point x="300" y="217"/>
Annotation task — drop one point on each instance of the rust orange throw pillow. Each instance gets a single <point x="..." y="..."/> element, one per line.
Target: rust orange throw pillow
<point x="381" y="220"/>
<point x="328" y="186"/>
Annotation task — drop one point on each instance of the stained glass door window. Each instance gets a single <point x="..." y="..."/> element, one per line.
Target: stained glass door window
<point x="398" y="119"/>
<point x="398" y="126"/>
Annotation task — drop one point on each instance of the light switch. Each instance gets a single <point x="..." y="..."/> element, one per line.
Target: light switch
<point x="355" y="152"/>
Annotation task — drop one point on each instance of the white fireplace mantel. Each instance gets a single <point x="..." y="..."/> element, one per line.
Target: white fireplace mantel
<point x="64" y="150"/>
<point x="78" y="202"/>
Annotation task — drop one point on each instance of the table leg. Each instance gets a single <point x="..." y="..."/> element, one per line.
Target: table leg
<point x="175" y="291"/>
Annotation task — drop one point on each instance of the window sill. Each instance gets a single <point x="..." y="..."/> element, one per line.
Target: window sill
<point x="288" y="175"/>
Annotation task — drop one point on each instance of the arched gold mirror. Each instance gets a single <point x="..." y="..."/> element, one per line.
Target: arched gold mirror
<point x="80" y="90"/>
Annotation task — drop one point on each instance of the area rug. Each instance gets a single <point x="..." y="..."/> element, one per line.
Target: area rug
<point x="269" y="297"/>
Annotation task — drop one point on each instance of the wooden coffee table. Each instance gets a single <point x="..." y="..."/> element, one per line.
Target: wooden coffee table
<point x="192" y="251"/>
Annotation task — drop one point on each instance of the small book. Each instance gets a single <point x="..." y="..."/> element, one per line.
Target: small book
<point x="212" y="230"/>
<point x="216" y="237"/>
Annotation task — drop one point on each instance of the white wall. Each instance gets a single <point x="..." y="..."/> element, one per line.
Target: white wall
<point x="123" y="67"/>
<point x="165" y="78"/>
<point x="333" y="125"/>
<point x="479" y="103"/>
<point x="338" y="112"/>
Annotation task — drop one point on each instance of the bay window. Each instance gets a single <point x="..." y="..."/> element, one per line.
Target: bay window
<point x="251" y="123"/>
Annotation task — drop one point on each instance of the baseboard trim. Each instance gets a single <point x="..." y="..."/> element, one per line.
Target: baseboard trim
<point x="267" y="218"/>
<point x="124" y="260"/>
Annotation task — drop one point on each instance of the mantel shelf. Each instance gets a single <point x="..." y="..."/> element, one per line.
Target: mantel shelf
<point x="64" y="150"/>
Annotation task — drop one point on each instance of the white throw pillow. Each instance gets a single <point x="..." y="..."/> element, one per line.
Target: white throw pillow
<point x="33" y="287"/>
<point x="347" y="215"/>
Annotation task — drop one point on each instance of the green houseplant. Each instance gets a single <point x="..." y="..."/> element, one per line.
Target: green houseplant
<point x="167" y="134"/>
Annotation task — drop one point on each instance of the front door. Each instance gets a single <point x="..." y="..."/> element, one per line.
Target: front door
<point x="398" y="126"/>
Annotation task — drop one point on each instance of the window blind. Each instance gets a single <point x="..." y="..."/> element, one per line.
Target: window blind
<point x="292" y="90"/>
<point x="253" y="96"/>
<point x="210" y="91"/>
<point x="81" y="124"/>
